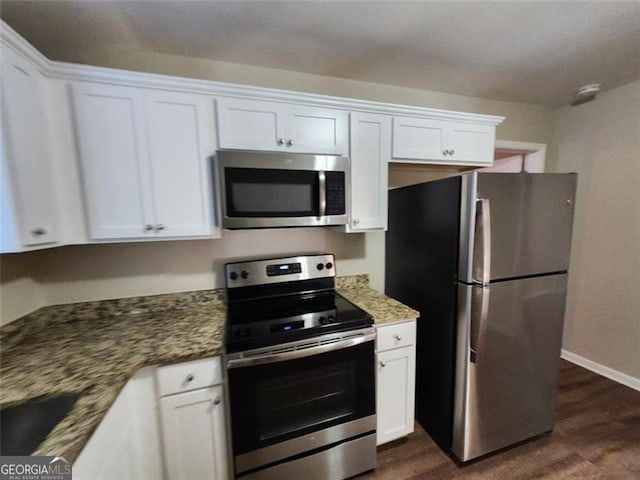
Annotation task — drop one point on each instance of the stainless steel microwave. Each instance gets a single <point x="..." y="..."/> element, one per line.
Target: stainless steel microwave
<point x="261" y="190"/>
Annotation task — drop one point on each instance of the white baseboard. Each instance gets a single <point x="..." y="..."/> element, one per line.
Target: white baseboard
<point x="610" y="373"/>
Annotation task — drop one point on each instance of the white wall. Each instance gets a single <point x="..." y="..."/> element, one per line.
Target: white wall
<point x="601" y="141"/>
<point x="20" y="292"/>
<point x="92" y="272"/>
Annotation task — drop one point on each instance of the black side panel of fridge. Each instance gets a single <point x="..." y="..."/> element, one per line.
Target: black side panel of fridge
<point x="421" y="271"/>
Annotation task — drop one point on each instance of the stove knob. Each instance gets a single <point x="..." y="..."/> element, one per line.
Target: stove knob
<point x="320" y="266"/>
<point x="329" y="266"/>
<point x="331" y="319"/>
<point x="244" y="274"/>
<point x="233" y="276"/>
<point x="323" y="321"/>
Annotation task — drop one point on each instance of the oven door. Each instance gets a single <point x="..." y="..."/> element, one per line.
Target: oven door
<point x="276" y="190"/>
<point x="301" y="400"/>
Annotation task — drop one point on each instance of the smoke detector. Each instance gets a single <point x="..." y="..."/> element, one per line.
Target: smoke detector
<point x="586" y="94"/>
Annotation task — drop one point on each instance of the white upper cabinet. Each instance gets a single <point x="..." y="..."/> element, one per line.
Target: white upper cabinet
<point x="110" y="132"/>
<point x="442" y="141"/>
<point x="145" y="158"/>
<point x="271" y="126"/>
<point x="370" y="154"/>
<point x="29" y="213"/>
<point x="180" y="129"/>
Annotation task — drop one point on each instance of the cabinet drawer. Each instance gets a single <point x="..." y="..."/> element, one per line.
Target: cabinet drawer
<point x="186" y="376"/>
<point x="396" y="335"/>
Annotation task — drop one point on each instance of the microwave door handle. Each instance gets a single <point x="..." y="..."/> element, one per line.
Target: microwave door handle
<point x="322" y="187"/>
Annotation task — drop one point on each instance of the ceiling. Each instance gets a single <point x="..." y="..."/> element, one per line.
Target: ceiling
<point x="530" y="52"/>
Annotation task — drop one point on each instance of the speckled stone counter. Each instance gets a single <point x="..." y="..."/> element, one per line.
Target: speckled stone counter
<point x="94" y="348"/>
<point x="383" y="309"/>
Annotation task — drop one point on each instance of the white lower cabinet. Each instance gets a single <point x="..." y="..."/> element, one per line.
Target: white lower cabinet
<point x="194" y="434"/>
<point x="126" y="444"/>
<point x="180" y="435"/>
<point x="192" y="415"/>
<point x="395" y="389"/>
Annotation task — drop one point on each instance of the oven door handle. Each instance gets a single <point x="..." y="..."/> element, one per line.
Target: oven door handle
<point x="305" y="352"/>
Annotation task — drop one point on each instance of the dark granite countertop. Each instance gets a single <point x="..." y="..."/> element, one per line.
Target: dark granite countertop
<point x="94" y="348"/>
<point x="382" y="308"/>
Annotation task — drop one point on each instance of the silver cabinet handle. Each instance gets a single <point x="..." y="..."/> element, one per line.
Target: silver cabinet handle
<point x="217" y="400"/>
<point x="160" y="227"/>
<point x="148" y="228"/>
<point x="281" y="141"/>
<point x="190" y="377"/>
<point x="356" y="221"/>
<point x="451" y="152"/>
<point x="290" y="142"/>
<point x="382" y="364"/>
<point x="39" y="231"/>
<point x="445" y="152"/>
<point x="398" y="337"/>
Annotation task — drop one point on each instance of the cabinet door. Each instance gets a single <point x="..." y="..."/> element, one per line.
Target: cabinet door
<point x="370" y="154"/>
<point x="395" y="393"/>
<point x="194" y="435"/>
<point x="316" y="130"/>
<point x="250" y="124"/>
<point x="125" y="446"/>
<point x="114" y="159"/>
<point x="181" y="139"/>
<point x="25" y="142"/>
<point x="111" y="451"/>
<point x="419" y="139"/>
<point x="273" y="126"/>
<point x="471" y="144"/>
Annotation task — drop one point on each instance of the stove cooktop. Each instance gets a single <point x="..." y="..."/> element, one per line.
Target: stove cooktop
<point x="265" y="322"/>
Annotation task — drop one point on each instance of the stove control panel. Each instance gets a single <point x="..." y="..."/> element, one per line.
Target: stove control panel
<point x="265" y="329"/>
<point x="278" y="270"/>
<point x="283" y="269"/>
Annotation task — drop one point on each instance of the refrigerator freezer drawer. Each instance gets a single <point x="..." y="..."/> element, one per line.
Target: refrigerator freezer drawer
<point x="508" y="351"/>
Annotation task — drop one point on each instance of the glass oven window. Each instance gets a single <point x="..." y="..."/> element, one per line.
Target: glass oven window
<point x="275" y="402"/>
<point x="253" y="192"/>
<point x="298" y="401"/>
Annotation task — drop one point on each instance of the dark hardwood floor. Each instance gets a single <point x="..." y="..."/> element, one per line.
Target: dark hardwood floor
<point x="596" y="436"/>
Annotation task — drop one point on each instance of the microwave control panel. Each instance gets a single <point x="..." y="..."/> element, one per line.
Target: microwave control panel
<point x="335" y="184"/>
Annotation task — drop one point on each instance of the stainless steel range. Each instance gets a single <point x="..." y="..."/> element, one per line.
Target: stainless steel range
<point x="301" y="375"/>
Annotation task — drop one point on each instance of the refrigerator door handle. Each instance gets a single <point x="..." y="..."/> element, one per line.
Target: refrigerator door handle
<point x="479" y="314"/>
<point x="482" y="243"/>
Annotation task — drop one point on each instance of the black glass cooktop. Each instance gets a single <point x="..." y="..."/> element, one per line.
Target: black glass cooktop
<point x="271" y="321"/>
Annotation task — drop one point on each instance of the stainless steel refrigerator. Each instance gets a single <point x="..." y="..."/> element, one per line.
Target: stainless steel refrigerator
<point x="484" y="258"/>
